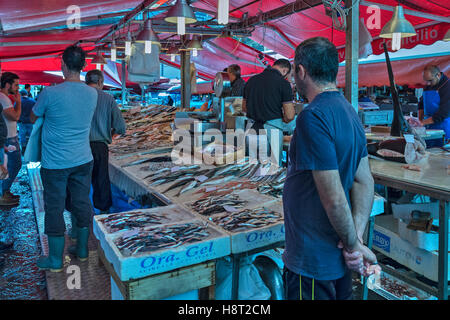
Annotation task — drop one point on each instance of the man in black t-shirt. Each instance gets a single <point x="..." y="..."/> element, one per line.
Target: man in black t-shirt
<point x="268" y="102"/>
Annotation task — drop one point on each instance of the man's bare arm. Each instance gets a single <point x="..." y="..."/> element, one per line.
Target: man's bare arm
<point x="361" y="196"/>
<point x="334" y="201"/>
<point x="288" y="112"/>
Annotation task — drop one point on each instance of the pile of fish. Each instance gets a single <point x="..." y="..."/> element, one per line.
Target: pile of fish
<point x="164" y="237"/>
<point x="130" y="220"/>
<point x="190" y="177"/>
<point x="146" y="130"/>
<point x="247" y="219"/>
<point x="218" y="204"/>
<point x="275" y="189"/>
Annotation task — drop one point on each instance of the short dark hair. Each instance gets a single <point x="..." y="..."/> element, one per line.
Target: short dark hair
<point x="235" y="69"/>
<point x="8" y="77"/>
<point x="27" y="86"/>
<point x="23" y="92"/>
<point x="93" y="76"/>
<point x="74" y="57"/>
<point x="283" y="63"/>
<point x="320" y="59"/>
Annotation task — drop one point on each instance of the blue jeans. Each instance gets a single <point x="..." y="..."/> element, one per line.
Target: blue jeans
<point x="14" y="163"/>
<point x="24" y="133"/>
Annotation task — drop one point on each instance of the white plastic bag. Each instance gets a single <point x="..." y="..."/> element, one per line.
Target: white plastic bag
<point x="251" y="286"/>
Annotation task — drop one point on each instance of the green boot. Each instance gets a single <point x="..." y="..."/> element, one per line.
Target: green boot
<point x="81" y="250"/>
<point x="73" y="231"/>
<point x="54" y="261"/>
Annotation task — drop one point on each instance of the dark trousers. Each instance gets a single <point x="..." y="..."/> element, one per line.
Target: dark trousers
<point x="101" y="185"/>
<point x="312" y="289"/>
<point x="14" y="163"/>
<point x="57" y="183"/>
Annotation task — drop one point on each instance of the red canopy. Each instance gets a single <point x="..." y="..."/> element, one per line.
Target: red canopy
<point x="27" y="23"/>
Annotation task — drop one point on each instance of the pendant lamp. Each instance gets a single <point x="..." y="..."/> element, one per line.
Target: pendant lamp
<point x="398" y="27"/>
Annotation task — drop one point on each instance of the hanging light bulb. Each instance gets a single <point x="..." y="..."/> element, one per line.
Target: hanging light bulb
<point x="172" y="57"/>
<point x="113" y="51"/>
<point x="181" y="25"/>
<point x="128" y="45"/>
<point x="397" y="28"/>
<point x="194" y="52"/>
<point x="181" y="14"/>
<point x="223" y="8"/>
<point x="98" y="66"/>
<point x="148" y="37"/>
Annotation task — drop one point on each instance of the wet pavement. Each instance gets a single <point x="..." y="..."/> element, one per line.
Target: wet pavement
<point x="19" y="276"/>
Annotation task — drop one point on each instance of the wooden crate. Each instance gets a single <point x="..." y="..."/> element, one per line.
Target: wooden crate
<point x="167" y="284"/>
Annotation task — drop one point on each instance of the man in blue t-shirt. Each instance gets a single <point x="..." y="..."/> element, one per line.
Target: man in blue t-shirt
<point x="67" y="161"/>
<point x="329" y="189"/>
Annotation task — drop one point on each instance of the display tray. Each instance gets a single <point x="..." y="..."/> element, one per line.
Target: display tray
<point x="141" y="264"/>
<point x="163" y="215"/>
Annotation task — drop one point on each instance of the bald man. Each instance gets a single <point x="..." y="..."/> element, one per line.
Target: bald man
<point x="434" y="106"/>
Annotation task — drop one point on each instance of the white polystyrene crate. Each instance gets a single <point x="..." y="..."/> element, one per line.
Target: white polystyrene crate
<point x="388" y="242"/>
<point x="216" y="245"/>
<point x="423" y="240"/>
<point x="170" y="214"/>
<point x="403" y="211"/>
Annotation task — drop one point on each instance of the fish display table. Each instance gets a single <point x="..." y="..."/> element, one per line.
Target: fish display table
<point x="432" y="180"/>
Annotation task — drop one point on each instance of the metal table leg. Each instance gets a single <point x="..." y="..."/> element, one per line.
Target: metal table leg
<point x="369" y="245"/>
<point x="444" y="212"/>
<point x="235" y="276"/>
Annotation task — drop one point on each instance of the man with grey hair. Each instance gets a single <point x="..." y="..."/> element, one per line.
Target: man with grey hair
<point x="434" y="105"/>
<point x="107" y="121"/>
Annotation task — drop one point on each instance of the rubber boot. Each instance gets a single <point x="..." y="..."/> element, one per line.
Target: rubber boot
<point x="81" y="250"/>
<point x="73" y="231"/>
<point x="54" y="261"/>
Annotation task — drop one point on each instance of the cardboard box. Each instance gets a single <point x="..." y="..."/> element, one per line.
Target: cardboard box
<point x="420" y="239"/>
<point x="388" y="242"/>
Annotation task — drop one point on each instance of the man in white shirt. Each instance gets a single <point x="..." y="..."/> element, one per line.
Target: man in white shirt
<point x="12" y="107"/>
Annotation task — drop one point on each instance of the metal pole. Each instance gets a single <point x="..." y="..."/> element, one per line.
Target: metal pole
<point x="124" y="82"/>
<point x="185" y="70"/>
<point x="444" y="210"/>
<point x="351" y="54"/>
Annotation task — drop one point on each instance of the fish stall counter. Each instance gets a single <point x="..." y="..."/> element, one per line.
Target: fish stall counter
<point x="429" y="177"/>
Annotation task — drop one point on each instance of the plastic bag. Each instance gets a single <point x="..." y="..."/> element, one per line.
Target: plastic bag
<point x="251" y="286"/>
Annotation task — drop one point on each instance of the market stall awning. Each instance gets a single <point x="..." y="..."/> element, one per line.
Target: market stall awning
<point x="41" y="29"/>
<point x="407" y="65"/>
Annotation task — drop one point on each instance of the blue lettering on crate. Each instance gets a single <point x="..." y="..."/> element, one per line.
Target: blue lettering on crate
<point x="382" y="241"/>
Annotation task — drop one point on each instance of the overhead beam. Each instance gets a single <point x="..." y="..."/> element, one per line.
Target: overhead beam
<point x="233" y="56"/>
<point x="130" y="16"/>
<point x="277" y="13"/>
<point x="60" y="23"/>
<point x="408" y="12"/>
<point x="282" y="35"/>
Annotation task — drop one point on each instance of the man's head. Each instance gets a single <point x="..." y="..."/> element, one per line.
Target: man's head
<point x="94" y="78"/>
<point x="28" y="87"/>
<point x="431" y="75"/>
<point x="316" y="64"/>
<point x="282" y="65"/>
<point x="234" y="72"/>
<point x="9" y="82"/>
<point x="73" y="60"/>
<point x="23" y="93"/>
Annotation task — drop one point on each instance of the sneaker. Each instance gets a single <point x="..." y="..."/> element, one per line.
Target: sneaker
<point x="10" y="195"/>
<point x="6" y="201"/>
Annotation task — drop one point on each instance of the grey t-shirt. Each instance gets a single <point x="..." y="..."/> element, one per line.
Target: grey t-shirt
<point x="67" y="109"/>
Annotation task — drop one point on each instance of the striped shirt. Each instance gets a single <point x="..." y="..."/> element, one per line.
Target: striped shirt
<point x="107" y="116"/>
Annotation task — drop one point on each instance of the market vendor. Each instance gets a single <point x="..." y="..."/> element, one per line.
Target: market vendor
<point x="434" y="105"/>
<point x="237" y="83"/>
<point x="268" y="101"/>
